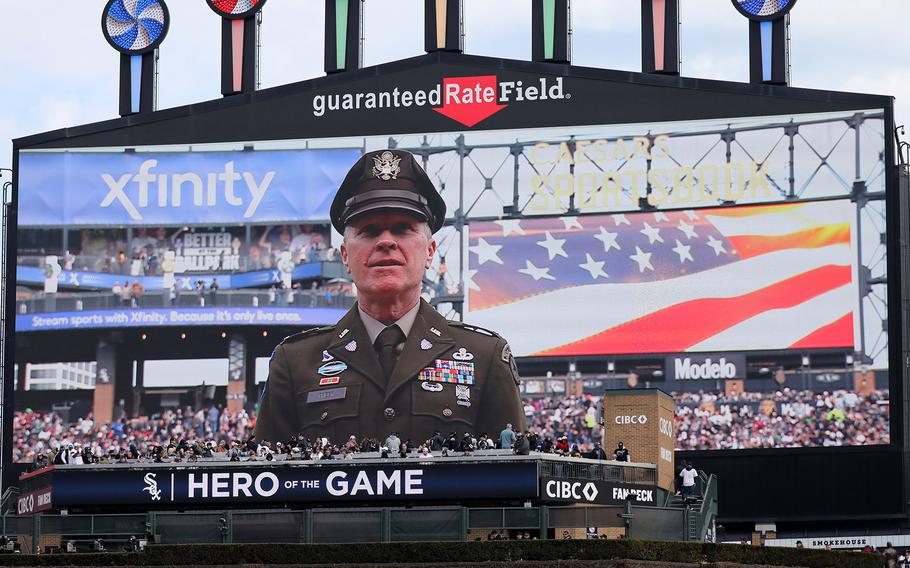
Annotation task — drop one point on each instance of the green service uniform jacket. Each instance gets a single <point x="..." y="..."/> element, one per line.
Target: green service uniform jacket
<point x="449" y="377"/>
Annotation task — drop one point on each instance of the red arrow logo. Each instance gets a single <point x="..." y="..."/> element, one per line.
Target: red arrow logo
<point x="469" y="100"/>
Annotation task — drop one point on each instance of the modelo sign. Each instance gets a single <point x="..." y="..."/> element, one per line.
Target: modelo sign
<point x="710" y="367"/>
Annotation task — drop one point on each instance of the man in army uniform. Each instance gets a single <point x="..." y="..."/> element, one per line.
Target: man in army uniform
<point x="392" y="363"/>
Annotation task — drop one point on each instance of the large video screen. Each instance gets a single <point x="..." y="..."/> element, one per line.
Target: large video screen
<point x="728" y="279"/>
<point x="736" y="263"/>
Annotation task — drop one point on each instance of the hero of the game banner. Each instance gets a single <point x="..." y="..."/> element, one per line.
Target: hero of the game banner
<point x="160" y="486"/>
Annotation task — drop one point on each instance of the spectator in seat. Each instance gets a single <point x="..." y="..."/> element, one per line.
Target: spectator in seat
<point x="393" y="443"/>
<point x="597" y="453"/>
<point x="437" y="442"/>
<point x="507" y="437"/>
<point x="621" y="453"/>
<point x="522" y="447"/>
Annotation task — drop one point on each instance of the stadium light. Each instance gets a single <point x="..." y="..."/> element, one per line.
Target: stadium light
<point x="805" y="360"/>
<point x="611" y="366"/>
<point x="136" y="29"/>
<point x="769" y="46"/>
<point x="443" y="25"/>
<point x="343" y="35"/>
<point x="551" y="31"/>
<point x="239" y="43"/>
<point x="182" y="335"/>
<point x="660" y="36"/>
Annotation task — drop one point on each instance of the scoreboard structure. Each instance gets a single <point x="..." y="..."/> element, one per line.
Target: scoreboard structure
<point x="727" y="225"/>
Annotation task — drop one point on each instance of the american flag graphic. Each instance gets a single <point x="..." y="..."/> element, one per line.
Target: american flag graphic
<point x="738" y="278"/>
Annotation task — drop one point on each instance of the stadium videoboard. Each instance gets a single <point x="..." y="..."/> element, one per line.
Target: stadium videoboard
<point x="662" y="230"/>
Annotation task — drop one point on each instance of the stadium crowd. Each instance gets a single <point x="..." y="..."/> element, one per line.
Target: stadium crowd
<point x="787" y="418"/>
<point x="187" y="435"/>
<point x="566" y="425"/>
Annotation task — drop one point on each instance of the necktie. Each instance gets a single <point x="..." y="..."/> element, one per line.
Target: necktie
<point x="386" y="342"/>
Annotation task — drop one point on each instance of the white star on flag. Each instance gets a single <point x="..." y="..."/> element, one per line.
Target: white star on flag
<point x="510" y="226"/>
<point x="687" y="229"/>
<point x="608" y="239"/>
<point x="692" y="215"/>
<point x="553" y="246"/>
<point x="620" y="219"/>
<point x="469" y="279"/>
<point x="653" y="234"/>
<point x="717" y="245"/>
<point x="643" y="259"/>
<point x="595" y="268"/>
<point x="485" y="251"/>
<point x="571" y="223"/>
<point x="659" y="216"/>
<point x="683" y="252"/>
<point x="536" y="273"/>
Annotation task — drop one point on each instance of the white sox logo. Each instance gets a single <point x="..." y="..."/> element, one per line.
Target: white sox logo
<point x="152" y="486"/>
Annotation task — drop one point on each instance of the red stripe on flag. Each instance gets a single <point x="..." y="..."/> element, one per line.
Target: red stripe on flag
<point x="836" y="334"/>
<point x="751" y="210"/>
<point x="678" y="327"/>
<point x="747" y="246"/>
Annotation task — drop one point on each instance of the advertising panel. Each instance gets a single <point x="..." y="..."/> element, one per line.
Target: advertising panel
<point x="597" y="491"/>
<point x="157" y="486"/>
<point x="171" y="188"/>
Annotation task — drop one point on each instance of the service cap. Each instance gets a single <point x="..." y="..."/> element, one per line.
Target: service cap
<point x="387" y="179"/>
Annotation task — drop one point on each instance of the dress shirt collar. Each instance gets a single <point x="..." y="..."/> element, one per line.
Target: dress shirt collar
<point x="374" y="326"/>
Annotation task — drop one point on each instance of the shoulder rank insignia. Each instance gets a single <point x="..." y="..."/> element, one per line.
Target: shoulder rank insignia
<point x="307" y="333"/>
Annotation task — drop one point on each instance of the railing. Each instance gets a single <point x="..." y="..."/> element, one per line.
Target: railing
<point x="707" y="510"/>
<point x="7" y="502"/>
<point x="645" y="474"/>
<point x="65" y="302"/>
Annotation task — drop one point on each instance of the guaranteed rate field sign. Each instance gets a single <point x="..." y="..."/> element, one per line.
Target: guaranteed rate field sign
<point x="723" y="279"/>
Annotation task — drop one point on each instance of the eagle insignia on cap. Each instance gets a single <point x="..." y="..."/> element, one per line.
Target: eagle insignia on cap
<point x="386" y="167"/>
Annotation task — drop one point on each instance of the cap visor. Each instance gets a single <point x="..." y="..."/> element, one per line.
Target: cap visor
<point x="381" y="205"/>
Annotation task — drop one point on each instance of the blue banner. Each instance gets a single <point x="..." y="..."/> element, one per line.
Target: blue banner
<point x="184" y="282"/>
<point x="210" y="484"/>
<point x="157" y="317"/>
<point x="179" y="188"/>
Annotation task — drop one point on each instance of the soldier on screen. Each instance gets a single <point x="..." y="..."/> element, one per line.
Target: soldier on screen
<point x="392" y="363"/>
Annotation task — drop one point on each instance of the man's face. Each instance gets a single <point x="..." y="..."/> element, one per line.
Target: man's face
<point x="387" y="253"/>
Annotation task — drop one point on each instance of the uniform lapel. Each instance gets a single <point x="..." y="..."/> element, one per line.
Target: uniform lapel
<point x="363" y="358"/>
<point x="413" y="357"/>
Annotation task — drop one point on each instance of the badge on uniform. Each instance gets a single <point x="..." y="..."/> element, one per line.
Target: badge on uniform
<point x="326" y="395"/>
<point x="432" y="387"/>
<point x="463" y="355"/>
<point x="352" y="346"/>
<point x="332" y="368"/>
<point x="446" y="371"/>
<point x="463" y="394"/>
<point x="329" y="381"/>
<point x="326" y="356"/>
<point x="425" y="344"/>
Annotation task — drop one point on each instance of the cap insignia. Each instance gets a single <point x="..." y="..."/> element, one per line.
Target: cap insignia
<point x="386" y="167"/>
